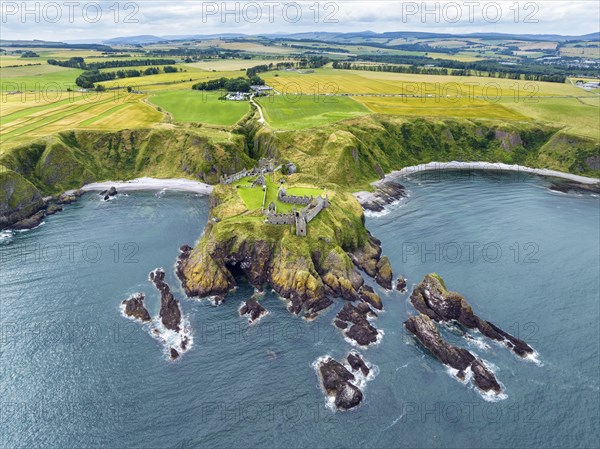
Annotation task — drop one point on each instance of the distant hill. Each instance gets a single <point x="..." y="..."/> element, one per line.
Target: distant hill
<point x="51" y="44"/>
<point x="150" y="39"/>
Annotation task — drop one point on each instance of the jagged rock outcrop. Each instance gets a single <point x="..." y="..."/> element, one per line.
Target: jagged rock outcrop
<point x="337" y="382"/>
<point x="357" y="327"/>
<point x="253" y="309"/>
<point x="386" y="192"/>
<point x="431" y="298"/>
<point x="109" y="193"/>
<point x="566" y="186"/>
<point x="368" y="295"/>
<point x="170" y="313"/>
<point x="357" y="363"/>
<point x="30" y="222"/>
<point x="369" y="259"/>
<point x="401" y="284"/>
<point x="427" y="333"/>
<point x="134" y="307"/>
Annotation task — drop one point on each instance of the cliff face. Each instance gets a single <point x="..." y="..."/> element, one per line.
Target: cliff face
<point x="19" y="198"/>
<point x="348" y="155"/>
<point x="356" y="152"/>
<point x="309" y="271"/>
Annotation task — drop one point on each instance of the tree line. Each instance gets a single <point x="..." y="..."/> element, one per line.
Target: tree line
<point x="79" y="63"/>
<point x="88" y="78"/>
<point x="239" y="84"/>
<point x="490" y="69"/>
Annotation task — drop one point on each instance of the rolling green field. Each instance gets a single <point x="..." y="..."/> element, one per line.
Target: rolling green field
<point x="195" y="106"/>
<point x="306" y="111"/>
<point x="39" y="77"/>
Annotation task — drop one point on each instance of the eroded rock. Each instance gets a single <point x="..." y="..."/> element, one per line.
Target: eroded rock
<point x="427" y="333"/>
<point x="134" y="307"/>
<point x="170" y="313"/>
<point x="360" y="330"/>
<point x="431" y="298"/>
<point x="337" y="382"/>
<point x="253" y="309"/>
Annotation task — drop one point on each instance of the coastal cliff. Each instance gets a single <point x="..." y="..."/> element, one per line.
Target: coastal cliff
<point x="347" y="155"/>
<point x="309" y="271"/>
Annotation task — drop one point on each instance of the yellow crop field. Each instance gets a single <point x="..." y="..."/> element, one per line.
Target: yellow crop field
<point x="436" y="107"/>
<point x="222" y="65"/>
<point x="105" y="111"/>
<point x="331" y="81"/>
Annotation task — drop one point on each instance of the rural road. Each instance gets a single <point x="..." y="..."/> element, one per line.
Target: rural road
<point x="262" y="117"/>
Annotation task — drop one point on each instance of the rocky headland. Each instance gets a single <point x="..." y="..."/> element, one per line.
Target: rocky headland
<point x="310" y="272"/>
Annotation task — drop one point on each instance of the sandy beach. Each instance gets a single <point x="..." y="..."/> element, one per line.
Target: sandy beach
<point x="185" y="185"/>
<point x="490" y="166"/>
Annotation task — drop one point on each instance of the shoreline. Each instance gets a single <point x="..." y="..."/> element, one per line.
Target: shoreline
<point x="179" y="184"/>
<point x="491" y="166"/>
<point x="376" y="200"/>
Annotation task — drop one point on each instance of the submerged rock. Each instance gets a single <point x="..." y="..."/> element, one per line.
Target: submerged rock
<point x="427" y="333"/>
<point x="337" y="382"/>
<point x="134" y="307"/>
<point x="253" y="309"/>
<point x="431" y="298"/>
<point x="170" y="313"/>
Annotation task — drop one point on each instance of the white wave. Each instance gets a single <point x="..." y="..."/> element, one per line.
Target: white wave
<point x="535" y="358"/>
<point x="6" y="236"/>
<point x="479" y="342"/>
<point x="489" y="396"/>
<point x="173" y="339"/>
<point x="394" y="422"/>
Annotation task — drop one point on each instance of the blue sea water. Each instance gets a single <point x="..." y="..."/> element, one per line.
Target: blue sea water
<point x="75" y="373"/>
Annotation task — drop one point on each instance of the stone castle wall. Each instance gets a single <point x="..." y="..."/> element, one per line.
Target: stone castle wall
<point x="281" y="219"/>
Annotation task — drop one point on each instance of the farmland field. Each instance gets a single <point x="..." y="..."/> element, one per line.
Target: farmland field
<point x="38" y="77"/>
<point x="27" y="120"/>
<point x="578" y="116"/>
<point x="195" y="106"/>
<point x="365" y="82"/>
<point x="436" y="107"/>
<point x="306" y="111"/>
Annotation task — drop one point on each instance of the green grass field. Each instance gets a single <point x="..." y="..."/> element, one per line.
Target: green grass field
<point x="40" y="77"/>
<point x="306" y="111"/>
<point x="253" y="196"/>
<point x="195" y="106"/>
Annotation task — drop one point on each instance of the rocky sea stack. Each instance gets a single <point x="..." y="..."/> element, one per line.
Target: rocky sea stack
<point x="427" y="333"/>
<point x="134" y="307"/>
<point x="431" y="298"/>
<point x="339" y="383"/>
